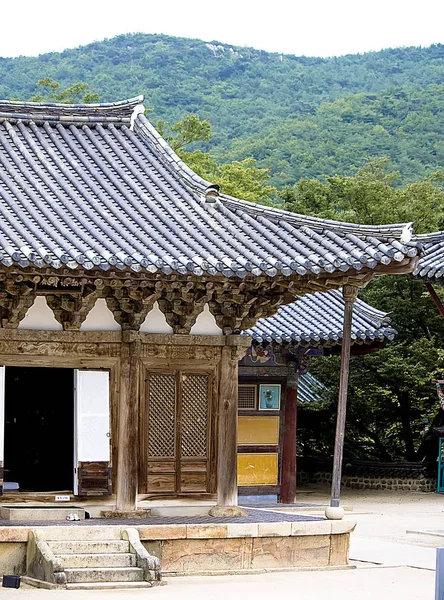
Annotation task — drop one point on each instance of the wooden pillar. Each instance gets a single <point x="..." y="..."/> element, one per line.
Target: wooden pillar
<point x="127" y="453"/>
<point x="227" y="454"/>
<point x="288" y="474"/>
<point x="227" y="434"/>
<point x="349" y="293"/>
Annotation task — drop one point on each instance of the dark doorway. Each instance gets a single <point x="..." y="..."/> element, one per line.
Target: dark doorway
<point x="39" y="428"/>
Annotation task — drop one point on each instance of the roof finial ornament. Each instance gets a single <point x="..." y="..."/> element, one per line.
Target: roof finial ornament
<point x="139" y="109"/>
<point x="406" y="233"/>
<point x="211" y="193"/>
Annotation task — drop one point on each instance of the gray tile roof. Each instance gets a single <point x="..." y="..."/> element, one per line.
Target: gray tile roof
<point x="310" y="389"/>
<point x="316" y="320"/>
<point x="96" y="186"/>
<point x="431" y="264"/>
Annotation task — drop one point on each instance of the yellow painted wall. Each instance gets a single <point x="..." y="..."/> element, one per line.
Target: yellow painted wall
<point x="258" y="431"/>
<point x="257" y="469"/>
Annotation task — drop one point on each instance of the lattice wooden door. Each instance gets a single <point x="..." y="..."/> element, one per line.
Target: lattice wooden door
<point x="178" y="415"/>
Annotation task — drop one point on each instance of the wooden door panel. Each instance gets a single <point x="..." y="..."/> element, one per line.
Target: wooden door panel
<point x="192" y="466"/>
<point x="162" y="482"/>
<point x="162" y="415"/>
<point x="95" y="478"/>
<point x="178" y="411"/>
<point x="92" y="452"/>
<point x="165" y="466"/>
<point x="194" y="415"/>
<point x="193" y="482"/>
<point x="162" y="432"/>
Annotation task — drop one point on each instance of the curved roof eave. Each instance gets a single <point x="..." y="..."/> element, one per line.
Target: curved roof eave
<point x="96" y="187"/>
<point x="317" y="319"/>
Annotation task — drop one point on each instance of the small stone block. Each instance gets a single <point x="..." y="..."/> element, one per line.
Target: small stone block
<point x="342" y="526"/>
<point x="227" y="511"/>
<point x="40" y="513"/>
<point x="281" y="529"/>
<point x="122" y="514"/>
<point x="241" y="530"/>
<point x="206" y="531"/>
<point x="163" y="532"/>
<point x="310" y="528"/>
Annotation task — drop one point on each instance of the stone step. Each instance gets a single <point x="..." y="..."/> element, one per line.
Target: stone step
<point x="80" y="532"/>
<point x="110" y="585"/>
<point x="98" y="561"/>
<point x="111" y="574"/>
<point x="90" y="547"/>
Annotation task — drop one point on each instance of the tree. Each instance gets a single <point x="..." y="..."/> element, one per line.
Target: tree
<point x="238" y="178"/>
<point x="391" y="400"/>
<point x="51" y="92"/>
<point x="370" y="197"/>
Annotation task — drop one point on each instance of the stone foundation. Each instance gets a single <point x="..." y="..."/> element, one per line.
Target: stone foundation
<point x="363" y="475"/>
<point x="214" y="548"/>
<point x="248" y="547"/>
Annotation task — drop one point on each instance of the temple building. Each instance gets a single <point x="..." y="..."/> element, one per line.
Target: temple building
<point x="273" y="376"/>
<point x="125" y="283"/>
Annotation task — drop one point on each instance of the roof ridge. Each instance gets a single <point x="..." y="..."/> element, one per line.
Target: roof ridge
<point x="50" y="111"/>
<point x="434" y="236"/>
<point x="399" y="231"/>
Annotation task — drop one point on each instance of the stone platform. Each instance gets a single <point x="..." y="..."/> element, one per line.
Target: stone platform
<point x="262" y="540"/>
<point x="26" y="513"/>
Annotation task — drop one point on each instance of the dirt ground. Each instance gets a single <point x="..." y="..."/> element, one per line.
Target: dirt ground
<point x="387" y="515"/>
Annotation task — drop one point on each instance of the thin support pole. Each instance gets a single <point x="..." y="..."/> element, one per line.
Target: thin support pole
<point x="435" y="298"/>
<point x="349" y="293"/>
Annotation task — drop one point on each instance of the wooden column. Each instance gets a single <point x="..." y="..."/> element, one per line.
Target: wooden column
<point x="349" y="293"/>
<point x="227" y="435"/>
<point x="288" y="474"/>
<point x="227" y="454"/>
<point x="127" y="454"/>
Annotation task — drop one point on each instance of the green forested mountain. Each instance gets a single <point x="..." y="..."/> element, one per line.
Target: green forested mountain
<point x="298" y="116"/>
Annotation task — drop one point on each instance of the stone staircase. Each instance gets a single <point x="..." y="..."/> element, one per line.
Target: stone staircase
<point x="89" y="557"/>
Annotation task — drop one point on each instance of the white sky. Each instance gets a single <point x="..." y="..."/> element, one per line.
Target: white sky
<point x="303" y="27"/>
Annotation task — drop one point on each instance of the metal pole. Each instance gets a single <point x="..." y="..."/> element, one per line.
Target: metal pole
<point x="439" y="581"/>
<point x="349" y="293"/>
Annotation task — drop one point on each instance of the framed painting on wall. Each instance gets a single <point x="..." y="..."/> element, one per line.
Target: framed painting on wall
<point x="269" y="396"/>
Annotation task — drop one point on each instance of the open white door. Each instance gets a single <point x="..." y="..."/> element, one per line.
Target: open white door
<point x="2" y="425"/>
<point x="92" y="468"/>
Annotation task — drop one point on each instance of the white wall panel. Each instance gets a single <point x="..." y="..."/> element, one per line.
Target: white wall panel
<point x="206" y="324"/>
<point x="40" y="316"/>
<point x="100" y="318"/>
<point x="155" y="322"/>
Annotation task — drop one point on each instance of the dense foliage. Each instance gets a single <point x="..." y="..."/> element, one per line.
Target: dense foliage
<point x="298" y="116"/>
<point x="392" y="404"/>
